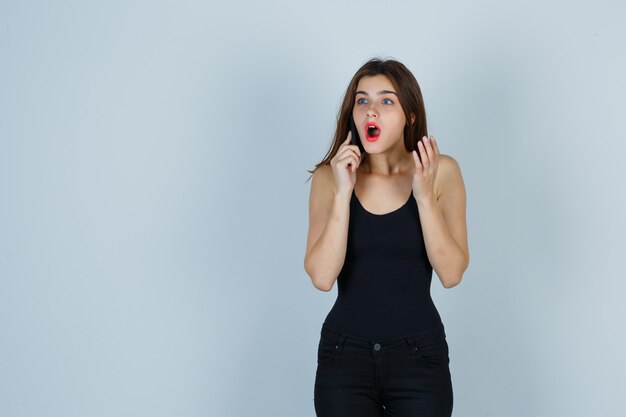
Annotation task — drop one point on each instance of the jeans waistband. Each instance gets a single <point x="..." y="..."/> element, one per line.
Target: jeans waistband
<point x="415" y="339"/>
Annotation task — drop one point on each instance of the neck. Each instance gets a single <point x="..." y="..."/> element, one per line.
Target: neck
<point x="393" y="162"/>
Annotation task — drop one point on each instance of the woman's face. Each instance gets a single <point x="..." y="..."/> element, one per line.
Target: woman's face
<point x="376" y="102"/>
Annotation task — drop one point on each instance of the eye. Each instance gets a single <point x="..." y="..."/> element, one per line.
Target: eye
<point x="390" y="102"/>
<point x="359" y="100"/>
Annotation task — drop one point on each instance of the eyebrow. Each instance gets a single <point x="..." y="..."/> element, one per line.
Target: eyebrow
<point x="379" y="93"/>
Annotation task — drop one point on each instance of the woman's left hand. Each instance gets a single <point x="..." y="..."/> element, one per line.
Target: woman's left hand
<point x="426" y="170"/>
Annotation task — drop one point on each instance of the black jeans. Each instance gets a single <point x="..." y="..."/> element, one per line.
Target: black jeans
<point x="401" y="377"/>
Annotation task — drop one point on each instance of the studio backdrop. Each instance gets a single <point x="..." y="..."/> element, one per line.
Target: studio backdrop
<point x="154" y="199"/>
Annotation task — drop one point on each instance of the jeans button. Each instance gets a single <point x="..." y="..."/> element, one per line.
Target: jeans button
<point x="377" y="347"/>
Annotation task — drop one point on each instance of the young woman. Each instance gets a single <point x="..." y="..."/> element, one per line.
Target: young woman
<point x="383" y="213"/>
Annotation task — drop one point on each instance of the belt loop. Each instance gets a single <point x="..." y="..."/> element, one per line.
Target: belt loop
<point x="412" y="344"/>
<point x="340" y="342"/>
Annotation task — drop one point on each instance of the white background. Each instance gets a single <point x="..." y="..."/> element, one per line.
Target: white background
<point x="154" y="203"/>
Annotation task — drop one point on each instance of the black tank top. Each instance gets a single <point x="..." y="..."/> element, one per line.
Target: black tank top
<point x="383" y="289"/>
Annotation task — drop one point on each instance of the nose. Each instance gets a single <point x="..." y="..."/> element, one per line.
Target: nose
<point x="371" y="113"/>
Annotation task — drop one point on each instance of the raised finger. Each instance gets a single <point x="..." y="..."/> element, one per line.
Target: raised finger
<point x="435" y="147"/>
<point x="350" y="159"/>
<point x="423" y="153"/>
<point x="418" y="164"/>
<point x="355" y="148"/>
<point x="429" y="148"/>
<point x="351" y="151"/>
<point x="346" y="145"/>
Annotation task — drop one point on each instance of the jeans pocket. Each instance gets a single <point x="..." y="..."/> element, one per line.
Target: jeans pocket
<point x="326" y="349"/>
<point x="434" y="351"/>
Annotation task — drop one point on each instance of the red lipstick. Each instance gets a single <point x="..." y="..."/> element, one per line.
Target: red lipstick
<point x="372" y="131"/>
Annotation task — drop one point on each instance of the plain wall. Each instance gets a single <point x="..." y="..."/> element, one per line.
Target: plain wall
<point x="154" y="203"/>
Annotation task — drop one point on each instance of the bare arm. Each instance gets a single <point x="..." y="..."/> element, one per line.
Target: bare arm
<point x="329" y="215"/>
<point x="444" y="226"/>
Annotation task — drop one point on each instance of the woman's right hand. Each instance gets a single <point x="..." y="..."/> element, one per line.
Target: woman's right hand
<point x="345" y="164"/>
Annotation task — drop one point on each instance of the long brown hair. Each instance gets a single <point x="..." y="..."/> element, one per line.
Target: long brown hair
<point x="409" y="96"/>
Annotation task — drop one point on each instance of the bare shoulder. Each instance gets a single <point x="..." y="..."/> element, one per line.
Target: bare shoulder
<point x="449" y="165"/>
<point x="448" y="173"/>
<point x="324" y="181"/>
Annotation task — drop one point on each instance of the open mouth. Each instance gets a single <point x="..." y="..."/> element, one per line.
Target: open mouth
<point x="372" y="130"/>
